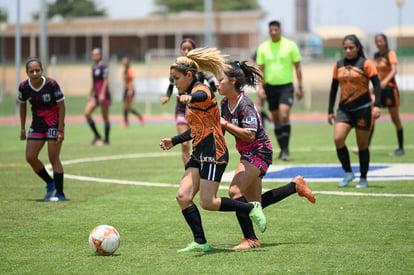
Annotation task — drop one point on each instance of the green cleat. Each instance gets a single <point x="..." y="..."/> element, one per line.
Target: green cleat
<point x="257" y="216"/>
<point x="196" y="247"/>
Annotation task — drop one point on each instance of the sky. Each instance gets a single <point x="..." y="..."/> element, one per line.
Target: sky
<point x="372" y="16"/>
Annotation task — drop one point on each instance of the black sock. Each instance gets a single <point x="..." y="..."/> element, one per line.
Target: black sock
<point x="400" y="138"/>
<point x="285" y="129"/>
<point x="364" y="162"/>
<point x="193" y="219"/>
<point x="125" y="116"/>
<point x="58" y="177"/>
<point x="343" y="156"/>
<point x="228" y="205"/>
<point x="107" y="128"/>
<point x="93" y="127"/>
<point x="245" y="222"/>
<point x="278" y="134"/>
<point x="278" y="194"/>
<point x="135" y="112"/>
<point x="44" y="175"/>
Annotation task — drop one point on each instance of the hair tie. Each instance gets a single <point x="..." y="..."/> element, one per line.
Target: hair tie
<point x="238" y="64"/>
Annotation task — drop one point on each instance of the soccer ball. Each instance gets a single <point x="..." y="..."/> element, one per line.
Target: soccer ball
<point x="104" y="240"/>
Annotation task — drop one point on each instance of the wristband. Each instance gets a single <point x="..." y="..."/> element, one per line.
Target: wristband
<point x="22" y="130"/>
<point x="301" y="87"/>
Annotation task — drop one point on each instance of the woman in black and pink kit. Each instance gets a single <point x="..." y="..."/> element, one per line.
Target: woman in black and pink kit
<point x="48" y="122"/>
<point x="99" y="95"/>
<point x="186" y="45"/>
<point x="240" y="118"/>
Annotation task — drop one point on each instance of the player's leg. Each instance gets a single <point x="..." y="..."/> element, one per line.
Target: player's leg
<point x="362" y="137"/>
<point x="341" y="131"/>
<point x="189" y="186"/>
<point x="90" y="107"/>
<point x="33" y="147"/>
<point x="107" y="124"/>
<point x="395" y="117"/>
<point x="54" y="158"/>
<point x="246" y="186"/>
<point x="284" y="130"/>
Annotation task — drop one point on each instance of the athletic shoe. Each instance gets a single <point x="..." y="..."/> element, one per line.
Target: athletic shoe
<point x="196" y="247"/>
<point x="58" y="197"/>
<point x="50" y="187"/>
<point x="302" y="189"/>
<point x="123" y="125"/>
<point x="397" y="152"/>
<point x="141" y="120"/>
<point x="257" y="216"/>
<point x="363" y="183"/>
<point x="100" y="143"/>
<point x="95" y="140"/>
<point x="284" y="155"/>
<point x="349" y="176"/>
<point x="247" y="244"/>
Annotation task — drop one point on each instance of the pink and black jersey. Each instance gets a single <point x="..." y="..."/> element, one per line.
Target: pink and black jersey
<point x="99" y="72"/>
<point x="45" y="111"/>
<point x="245" y="115"/>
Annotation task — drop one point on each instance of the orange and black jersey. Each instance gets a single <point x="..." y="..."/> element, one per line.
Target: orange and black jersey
<point x="383" y="63"/>
<point x="203" y="118"/>
<point x="353" y="76"/>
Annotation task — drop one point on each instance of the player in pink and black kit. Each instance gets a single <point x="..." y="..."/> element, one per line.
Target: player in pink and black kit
<point x="99" y="96"/>
<point x="240" y="118"/>
<point x="48" y="116"/>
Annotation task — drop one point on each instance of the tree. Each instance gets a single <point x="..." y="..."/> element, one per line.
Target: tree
<point x="3" y="15"/>
<point x="73" y="8"/>
<point x="175" y="6"/>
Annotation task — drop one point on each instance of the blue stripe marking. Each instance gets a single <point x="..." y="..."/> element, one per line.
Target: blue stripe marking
<point x="316" y="172"/>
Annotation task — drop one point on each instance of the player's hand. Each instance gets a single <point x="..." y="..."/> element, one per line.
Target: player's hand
<point x="60" y="136"/>
<point x="331" y="118"/>
<point x="101" y="98"/>
<point x="299" y="93"/>
<point x="184" y="99"/>
<point x="22" y="134"/>
<point x="376" y="112"/>
<point x="164" y="99"/>
<point x="166" y="144"/>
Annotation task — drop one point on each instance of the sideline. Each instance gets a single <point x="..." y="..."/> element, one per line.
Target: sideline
<point x="155" y="184"/>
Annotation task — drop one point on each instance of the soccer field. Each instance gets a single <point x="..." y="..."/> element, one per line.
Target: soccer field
<point x="131" y="185"/>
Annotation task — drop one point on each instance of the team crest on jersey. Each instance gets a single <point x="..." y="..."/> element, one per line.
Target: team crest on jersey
<point x="46" y="97"/>
<point x="97" y="72"/>
<point x="234" y="121"/>
<point x="58" y="93"/>
<point x="250" y="120"/>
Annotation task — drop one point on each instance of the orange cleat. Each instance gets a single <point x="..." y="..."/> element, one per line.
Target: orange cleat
<point x="124" y="125"/>
<point x="302" y="189"/>
<point x="247" y="244"/>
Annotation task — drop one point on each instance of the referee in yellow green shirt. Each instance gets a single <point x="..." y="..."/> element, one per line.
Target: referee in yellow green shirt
<point x="276" y="58"/>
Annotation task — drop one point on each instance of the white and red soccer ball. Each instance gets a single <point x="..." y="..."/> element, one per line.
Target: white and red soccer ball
<point x="104" y="240"/>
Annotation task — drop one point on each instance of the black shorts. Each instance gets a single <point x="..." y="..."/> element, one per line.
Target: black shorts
<point x="279" y="94"/>
<point x="360" y="119"/>
<point x="204" y="158"/>
<point x="390" y="97"/>
<point x="126" y="94"/>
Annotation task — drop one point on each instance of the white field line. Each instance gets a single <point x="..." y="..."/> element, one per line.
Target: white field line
<point x="168" y="154"/>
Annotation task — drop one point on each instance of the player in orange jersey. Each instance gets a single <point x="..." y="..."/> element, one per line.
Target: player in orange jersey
<point x="386" y="62"/>
<point x="129" y="93"/>
<point x="356" y="109"/>
<point x="209" y="157"/>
